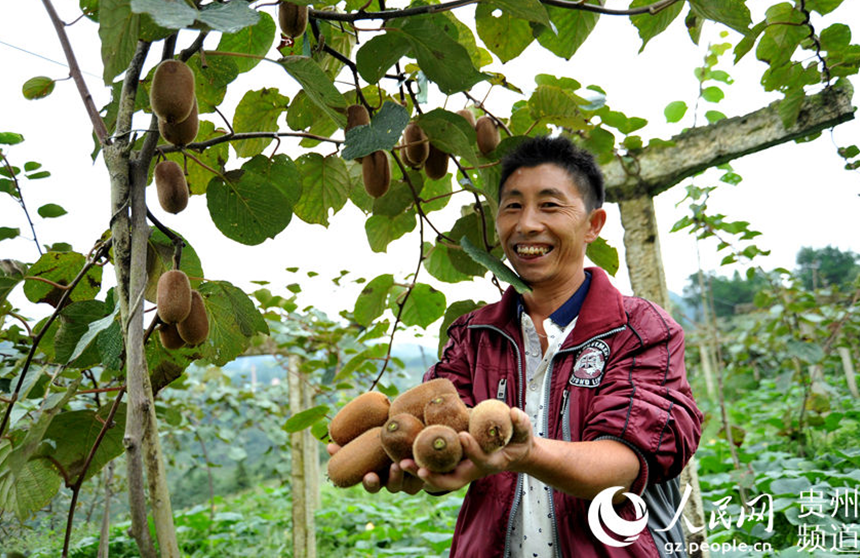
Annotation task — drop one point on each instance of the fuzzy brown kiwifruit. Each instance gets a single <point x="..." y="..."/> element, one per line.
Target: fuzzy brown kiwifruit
<point x="488" y="134"/>
<point x="171" y="186"/>
<point x="376" y="173"/>
<point x="398" y="434"/>
<point x="181" y="133"/>
<point x="468" y="115"/>
<point x="436" y="165"/>
<point x="356" y="115"/>
<point x="173" y="296"/>
<point x="413" y="400"/>
<point x="447" y="409"/>
<point x="171" y="96"/>
<point x="417" y="147"/>
<point x="195" y="328"/>
<point x="362" y="455"/>
<point x="170" y="337"/>
<point x="362" y="413"/>
<point x="437" y="448"/>
<point x="293" y="19"/>
<point x="490" y="424"/>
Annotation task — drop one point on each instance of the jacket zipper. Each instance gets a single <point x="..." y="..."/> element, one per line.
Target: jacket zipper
<point x="565" y="415"/>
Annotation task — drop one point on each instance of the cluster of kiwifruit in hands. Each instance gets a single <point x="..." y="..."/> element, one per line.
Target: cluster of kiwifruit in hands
<point x="421" y="423"/>
<point x="173" y="101"/>
<point x="181" y="311"/>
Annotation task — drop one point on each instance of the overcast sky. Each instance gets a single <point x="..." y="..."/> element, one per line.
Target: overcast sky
<point x="795" y="194"/>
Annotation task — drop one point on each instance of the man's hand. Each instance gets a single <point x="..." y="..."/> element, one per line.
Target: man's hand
<point x="398" y="479"/>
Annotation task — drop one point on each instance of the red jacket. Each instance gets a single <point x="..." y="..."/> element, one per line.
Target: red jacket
<point x="620" y="375"/>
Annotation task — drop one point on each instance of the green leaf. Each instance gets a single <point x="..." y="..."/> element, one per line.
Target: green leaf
<point x="529" y="10"/>
<point x="8" y="233"/>
<point x="394" y="202"/>
<point x="836" y="37"/>
<point x="557" y="105"/>
<point x="51" y="210"/>
<point x="714" y="116"/>
<point x="38" y="87"/>
<point x="166" y="13"/>
<point x="233" y="321"/>
<point x="214" y="157"/>
<point x="210" y="82"/>
<point x="789" y="107"/>
<point x="371" y="303"/>
<point x="304" y="419"/>
<point x="437" y="261"/>
<point x="255" y="40"/>
<point x="381" y="229"/>
<point x="118" y="31"/>
<point x="494" y="265"/>
<point x="382" y="133"/>
<point x="713" y="94"/>
<point x="380" y="53"/>
<point x="325" y="187"/>
<point x="93" y="330"/>
<point x="733" y="13"/>
<point x="450" y="133"/>
<point x="258" y="111"/>
<point x="442" y="59"/>
<point x="229" y="17"/>
<point x="76" y="320"/>
<point x="373" y="352"/>
<point x="159" y="259"/>
<point x="247" y="207"/>
<point x="424" y="305"/>
<point x="30" y="489"/>
<point x="455" y="311"/>
<point x="651" y="25"/>
<point x="12" y="273"/>
<point x="10" y="138"/>
<point x="782" y="35"/>
<point x="61" y="268"/>
<point x="572" y="27"/>
<point x="823" y="6"/>
<point x="604" y="255"/>
<point x="506" y="36"/>
<point x="317" y="86"/>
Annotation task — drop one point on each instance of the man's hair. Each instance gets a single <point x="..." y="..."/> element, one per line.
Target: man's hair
<point x="578" y="163"/>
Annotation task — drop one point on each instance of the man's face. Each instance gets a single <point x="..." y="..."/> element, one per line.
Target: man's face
<point x="544" y="225"/>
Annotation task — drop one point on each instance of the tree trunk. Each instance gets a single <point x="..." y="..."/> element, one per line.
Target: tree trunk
<point x="848" y="367"/>
<point x="104" y="534"/>
<point x="304" y="538"/>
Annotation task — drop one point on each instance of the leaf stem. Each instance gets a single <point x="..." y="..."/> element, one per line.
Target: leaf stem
<point x="21" y="201"/>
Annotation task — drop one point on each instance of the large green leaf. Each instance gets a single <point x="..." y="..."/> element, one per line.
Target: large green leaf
<point x="61" y="268"/>
<point x="572" y="28"/>
<point x="382" y="133"/>
<point x="455" y="311"/>
<point x="305" y="418"/>
<point x="371" y="303"/>
<point x="494" y="265"/>
<point x="556" y="105"/>
<point x="12" y="273"/>
<point x="450" y="133"/>
<point x="38" y="87"/>
<point x="382" y="229"/>
<point x="94" y="330"/>
<point x="424" y="305"/>
<point x="604" y="255"/>
<point x="30" y="490"/>
<point x="255" y="40"/>
<point x="437" y="261"/>
<point x="210" y="82"/>
<point x="651" y="25"/>
<point x="733" y="13"/>
<point x="258" y="111"/>
<point x="246" y="205"/>
<point x="528" y="10"/>
<point x="325" y="184"/>
<point x="317" y="86"/>
<point x="118" y="31"/>
<point x="394" y="202"/>
<point x="506" y="36"/>
<point x="228" y="17"/>
<point x="233" y="320"/>
<point x="782" y="36"/>
<point x="380" y="53"/>
<point x="75" y="323"/>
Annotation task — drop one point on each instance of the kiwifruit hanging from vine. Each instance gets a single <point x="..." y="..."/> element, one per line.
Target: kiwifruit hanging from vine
<point x="362" y="455"/>
<point x="417" y="147"/>
<point x="447" y="409"/>
<point x="360" y="414"/>
<point x="413" y="400"/>
<point x="398" y="434"/>
<point x="490" y="424"/>
<point x="438" y="449"/>
<point x="173" y="296"/>
<point x="376" y="173"/>
<point x="171" y="186"/>
<point x="436" y="165"/>
<point x="468" y="115"/>
<point x="181" y="133"/>
<point x="170" y="337"/>
<point x="171" y="96"/>
<point x="356" y="115"/>
<point x="488" y="134"/>
<point x="195" y="328"/>
<point x="293" y="19"/>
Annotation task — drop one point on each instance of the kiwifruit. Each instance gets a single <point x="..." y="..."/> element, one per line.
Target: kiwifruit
<point x="173" y="296"/>
<point x="171" y="186"/>
<point x="362" y="413"/>
<point x="172" y="93"/>
<point x="468" y="115"/>
<point x="362" y="455"/>
<point x="413" y="400"/>
<point x="404" y="155"/>
<point x="447" y="409"/>
<point x="436" y="165"/>
<point x="293" y="19"/>
<point x="356" y="115"/>
<point x="170" y="337"/>
<point x="417" y="146"/>
<point x="488" y="134"/>
<point x="195" y="328"/>
<point x="398" y="434"/>
<point x="490" y="424"/>
<point x="376" y="173"/>
<point x="437" y="448"/>
<point x="181" y="133"/>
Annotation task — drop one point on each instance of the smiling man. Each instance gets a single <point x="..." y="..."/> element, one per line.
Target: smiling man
<point x="596" y="381"/>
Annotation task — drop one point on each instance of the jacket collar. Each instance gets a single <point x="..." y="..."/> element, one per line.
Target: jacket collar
<point x="602" y="311"/>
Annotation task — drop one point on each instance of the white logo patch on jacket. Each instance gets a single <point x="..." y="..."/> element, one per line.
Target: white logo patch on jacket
<point x="590" y="364"/>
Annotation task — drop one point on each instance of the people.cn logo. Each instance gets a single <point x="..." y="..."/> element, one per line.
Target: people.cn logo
<point x="601" y="513"/>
